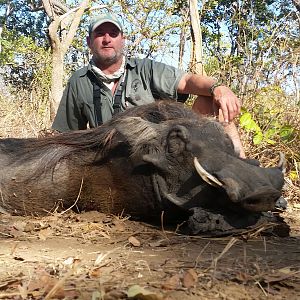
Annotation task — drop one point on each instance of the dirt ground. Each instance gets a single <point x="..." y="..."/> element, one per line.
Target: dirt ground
<point x="95" y="256"/>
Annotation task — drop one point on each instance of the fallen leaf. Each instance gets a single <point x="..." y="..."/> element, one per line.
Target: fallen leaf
<point x="139" y="293"/>
<point x="71" y="262"/>
<point x="43" y="281"/>
<point x="100" y="260"/>
<point x="172" y="283"/>
<point x="95" y="273"/>
<point x="296" y="205"/>
<point x="119" y="225"/>
<point x="190" y="278"/>
<point x="45" y="233"/>
<point x="134" y="241"/>
<point x="29" y="227"/>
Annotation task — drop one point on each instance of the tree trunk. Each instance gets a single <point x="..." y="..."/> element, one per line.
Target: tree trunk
<point x="60" y="44"/>
<point x="197" y="63"/>
<point x="57" y="78"/>
<point x="183" y="33"/>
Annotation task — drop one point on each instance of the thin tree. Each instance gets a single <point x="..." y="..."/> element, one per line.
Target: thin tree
<point x="197" y="62"/>
<point x="59" y="18"/>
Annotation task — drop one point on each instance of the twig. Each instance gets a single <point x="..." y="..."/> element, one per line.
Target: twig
<point x="162" y="225"/>
<point x="202" y="250"/>
<point x="227" y="247"/>
<point x="73" y="10"/>
<point x="53" y="291"/>
<point x="76" y="199"/>
<point x="260" y="286"/>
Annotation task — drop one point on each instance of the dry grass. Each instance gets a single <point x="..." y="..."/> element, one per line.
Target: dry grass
<point x="23" y="115"/>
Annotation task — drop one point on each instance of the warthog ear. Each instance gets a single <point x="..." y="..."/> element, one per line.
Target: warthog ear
<point x="177" y="139"/>
<point x="176" y="142"/>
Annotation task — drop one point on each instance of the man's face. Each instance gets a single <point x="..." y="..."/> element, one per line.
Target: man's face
<point x="106" y="43"/>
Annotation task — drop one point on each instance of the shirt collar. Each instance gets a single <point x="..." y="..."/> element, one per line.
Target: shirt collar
<point x="130" y="63"/>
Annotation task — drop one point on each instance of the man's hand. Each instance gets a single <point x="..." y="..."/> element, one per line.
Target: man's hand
<point x="227" y="101"/>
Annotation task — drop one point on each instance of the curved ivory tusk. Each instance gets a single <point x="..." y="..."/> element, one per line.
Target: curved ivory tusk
<point x="210" y="179"/>
<point x="282" y="162"/>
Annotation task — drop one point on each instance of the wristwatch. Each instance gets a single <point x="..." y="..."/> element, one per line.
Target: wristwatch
<point x="215" y="85"/>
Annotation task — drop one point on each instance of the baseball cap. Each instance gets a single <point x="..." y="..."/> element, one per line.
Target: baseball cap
<point x="104" y="18"/>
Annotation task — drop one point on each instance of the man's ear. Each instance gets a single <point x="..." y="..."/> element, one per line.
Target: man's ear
<point x="124" y="38"/>
<point x="88" y="40"/>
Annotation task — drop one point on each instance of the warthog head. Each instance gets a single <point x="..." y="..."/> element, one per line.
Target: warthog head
<point x="193" y="164"/>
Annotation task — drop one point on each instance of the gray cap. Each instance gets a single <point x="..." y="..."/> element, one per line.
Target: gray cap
<point x="104" y="18"/>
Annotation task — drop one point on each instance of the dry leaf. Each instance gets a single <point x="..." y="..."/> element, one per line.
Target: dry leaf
<point x="172" y="283"/>
<point x="45" y="233"/>
<point x="71" y="262"/>
<point x="139" y="293"/>
<point x="29" y="227"/>
<point x="296" y="205"/>
<point x="100" y="259"/>
<point x="119" y="225"/>
<point x="95" y="273"/>
<point x="190" y="278"/>
<point x="134" y="241"/>
<point x="44" y="282"/>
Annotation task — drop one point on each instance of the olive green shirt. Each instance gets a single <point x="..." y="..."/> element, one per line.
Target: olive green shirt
<point x="146" y="81"/>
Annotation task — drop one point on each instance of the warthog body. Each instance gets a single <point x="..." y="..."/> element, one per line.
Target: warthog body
<point x="140" y="163"/>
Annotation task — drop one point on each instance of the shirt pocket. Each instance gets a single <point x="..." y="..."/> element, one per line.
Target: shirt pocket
<point x="137" y="93"/>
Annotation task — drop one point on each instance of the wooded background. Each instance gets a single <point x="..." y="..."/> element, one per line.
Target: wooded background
<point x="251" y="46"/>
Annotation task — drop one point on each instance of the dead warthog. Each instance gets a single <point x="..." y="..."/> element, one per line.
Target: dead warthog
<point x="149" y="159"/>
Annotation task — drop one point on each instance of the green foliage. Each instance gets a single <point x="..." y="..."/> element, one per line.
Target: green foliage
<point x="14" y="46"/>
<point x="266" y="122"/>
<point x="271" y="120"/>
<point x="273" y="133"/>
<point x="28" y="62"/>
<point x="23" y="21"/>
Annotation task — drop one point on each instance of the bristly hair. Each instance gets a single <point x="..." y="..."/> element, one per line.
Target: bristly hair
<point x="125" y="126"/>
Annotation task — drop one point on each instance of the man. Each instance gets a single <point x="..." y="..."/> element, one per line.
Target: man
<point x="111" y="83"/>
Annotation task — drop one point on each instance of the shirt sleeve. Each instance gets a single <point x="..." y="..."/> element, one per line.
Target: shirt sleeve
<point x="69" y="116"/>
<point x="165" y="80"/>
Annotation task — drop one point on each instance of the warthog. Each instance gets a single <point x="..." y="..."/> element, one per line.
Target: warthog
<point x="149" y="159"/>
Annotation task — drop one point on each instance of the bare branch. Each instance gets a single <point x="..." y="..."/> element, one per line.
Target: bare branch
<point x="74" y="25"/>
<point x="76" y="8"/>
<point x="297" y="4"/>
<point x="35" y="6"/>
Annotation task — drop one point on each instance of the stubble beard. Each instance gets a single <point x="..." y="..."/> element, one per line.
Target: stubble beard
<point x="107" y="60"/>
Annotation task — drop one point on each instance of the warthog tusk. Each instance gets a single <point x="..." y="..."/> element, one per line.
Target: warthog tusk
<point x="210" y="179"/>
<point x="282" y="162"/>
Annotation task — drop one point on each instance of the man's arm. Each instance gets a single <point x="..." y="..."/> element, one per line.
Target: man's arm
<point x="221" y="96"/>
